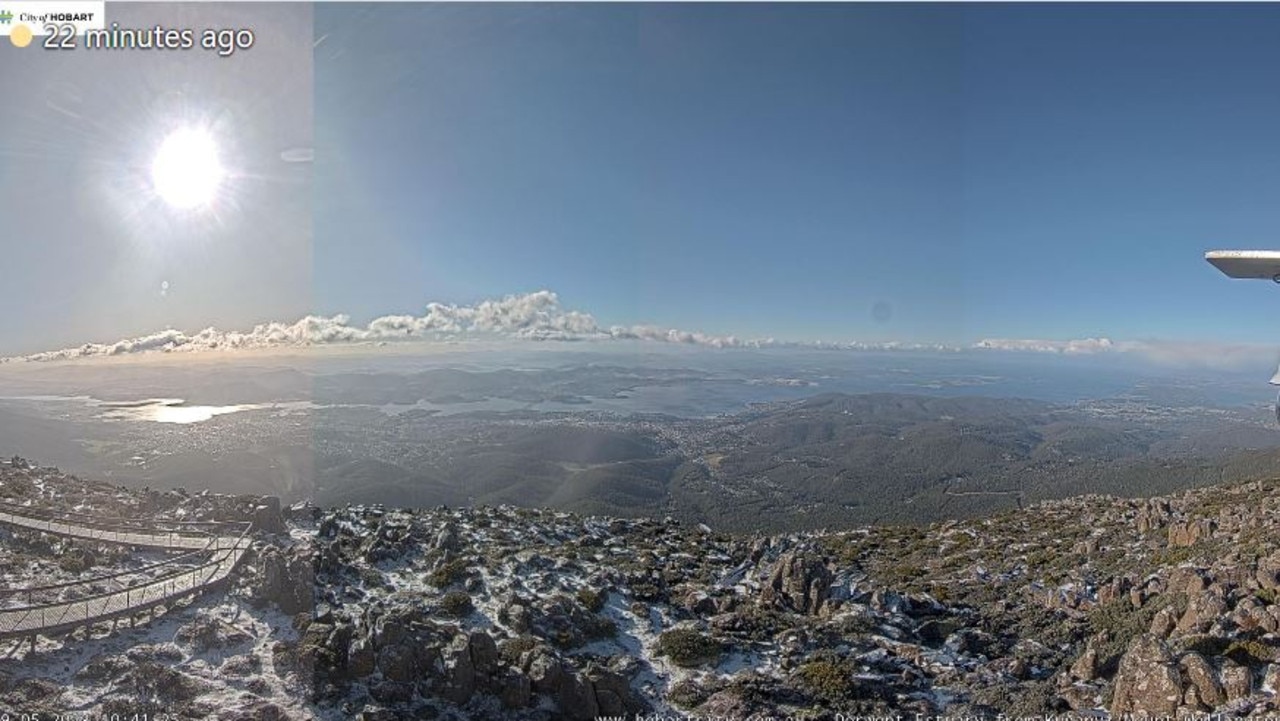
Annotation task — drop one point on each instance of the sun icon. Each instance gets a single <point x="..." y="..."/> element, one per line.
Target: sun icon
<point x="20" y="36"/>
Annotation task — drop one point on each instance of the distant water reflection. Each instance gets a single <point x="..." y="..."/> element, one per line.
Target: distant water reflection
<point x="169" y="410"/>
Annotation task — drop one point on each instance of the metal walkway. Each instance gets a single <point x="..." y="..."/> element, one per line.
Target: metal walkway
<point x="214" y="554"/>
<point x="121" y="533"/>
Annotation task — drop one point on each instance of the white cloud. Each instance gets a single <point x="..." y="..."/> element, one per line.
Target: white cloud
<point x="531" y="316"/>
<point x="1068" y="347"/>
<point x="1176" y="353"/>
<point x="538" y="316"/>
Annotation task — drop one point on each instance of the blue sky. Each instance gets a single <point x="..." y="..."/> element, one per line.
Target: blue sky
<point x="1046" y="171"/>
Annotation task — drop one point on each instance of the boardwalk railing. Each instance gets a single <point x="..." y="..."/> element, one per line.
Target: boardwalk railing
<point x="95" y="528"/>
<point x="224" y="553"/>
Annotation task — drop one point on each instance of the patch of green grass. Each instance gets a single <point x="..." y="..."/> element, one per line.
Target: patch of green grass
<point x="1176" y="556"/>
<point x="450" y="573"/>
<point x="1250" y="653"/>
<point x="592" y="599"/>
<point x="830" y="679"/>
<point x="1122" y="623"/>
<point x="688" y="648"/>
<point x="513" y="648"/>
<point x="456" y="604"/>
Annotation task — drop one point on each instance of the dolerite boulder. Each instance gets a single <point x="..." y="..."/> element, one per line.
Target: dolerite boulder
<point x="577" y="699"/>
<point x="799" y="582"/>
<point x="361" y="659"/>
<point x="258" y="710"/>
<point x="285" y="578"/>
<point x="566" y="622"/>
<point x="545" y="672"/>
<point x="398" y="664"/>
<point x="405" y="647"/>
<point x="484" y="653"/>
<point x="727" y="704"/>
<point x="1201" y="676"/>
<point x="613" y="693"/>
<point x="516" y="615"/>
<point x="104" y="667"/>
<point x="460" y="671"/>
<point x="267" y="516"/>
<point x="1187" y="532"/>
<point x="205" y="633"/>
<point x="513" y="688"/>
<point x="1148" y="681"/>
<point x="315" y="657"/>
<point x="1085" y="667"/>
<point x="1203" y="611"/>
<point x="1237" y="680"/>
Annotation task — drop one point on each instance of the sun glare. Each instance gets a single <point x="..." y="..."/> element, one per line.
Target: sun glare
<point x="186" y="171"/>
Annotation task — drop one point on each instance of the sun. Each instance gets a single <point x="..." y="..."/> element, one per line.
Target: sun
<point x="186" y="172"/>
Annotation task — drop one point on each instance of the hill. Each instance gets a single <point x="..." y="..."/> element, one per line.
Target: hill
<point x="1089" y="605"/>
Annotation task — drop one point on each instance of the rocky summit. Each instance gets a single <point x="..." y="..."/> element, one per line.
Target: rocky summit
<point x="1091" y="606"/>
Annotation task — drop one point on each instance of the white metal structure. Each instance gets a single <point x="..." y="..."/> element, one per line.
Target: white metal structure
<point x="1263" y="264"/>
<point x="1250" y="264"/>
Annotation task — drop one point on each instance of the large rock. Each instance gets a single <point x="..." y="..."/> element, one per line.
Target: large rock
<point x="1201" y="676"/>
<point x="391" y="692"/>
<point x="104" y="667"/>
<point x="1250" y="614"/>
<point x="1268" y="573"/>
<point x="516" y="616"/>
<point x="798" y="582"/>
<point x="545" y="672"/>
<point x="728" y="705"/>
<point x="513" y="689"/>
<point x="566" y="622"/>
<point x="315" y="656"/>
<point x="285" y="579"/>
<point x="1147" y="681"/>
<point x="1113" y="589"/>
<point x="361" y="659"/>
<point x="398" y="663"/>
<point x="614" y="696"/>
<point x="1153" y="515"/>
<point x="1237" y="680"/>
<point x="1163" y="623"/>
<point x="206" y="632"/>
<point x="577" y="699"/>
<point x="258" y="710"/>
<point x="460" y="672"/>
<point x="1085" y="668"/>
<point x="1203" y="610"/>
<point x="484" y="653"/>
<point x="267" y="516"/>
<point x="1271" y="677"/>
<point x="1187" y="532"/>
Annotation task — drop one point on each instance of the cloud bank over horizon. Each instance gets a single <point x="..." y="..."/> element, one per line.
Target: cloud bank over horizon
<point x="539" y="316"/>
<point x="1166" y="352"/>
